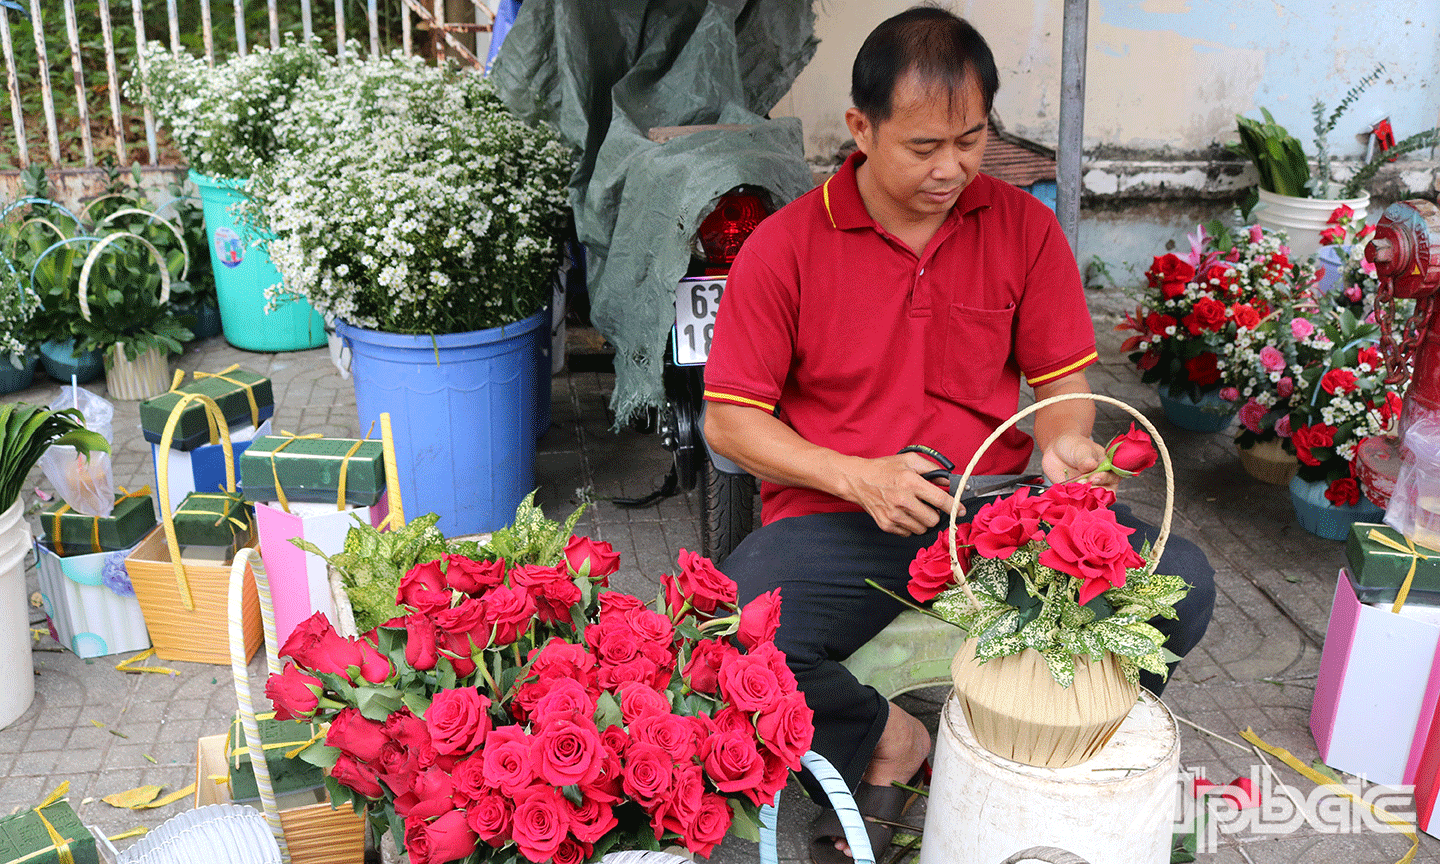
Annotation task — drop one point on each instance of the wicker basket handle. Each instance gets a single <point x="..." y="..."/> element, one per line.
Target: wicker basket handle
<point x="1156" y="551"/>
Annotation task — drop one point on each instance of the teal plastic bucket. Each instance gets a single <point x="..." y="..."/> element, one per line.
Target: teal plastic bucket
<point x="61" y="362"/>
<point x="242" y="273"/>
<point x="1210" y="414"/>
<point x="13" y="380"/>
<point x="1317" y="515"/>
<point x="462" y="410"/>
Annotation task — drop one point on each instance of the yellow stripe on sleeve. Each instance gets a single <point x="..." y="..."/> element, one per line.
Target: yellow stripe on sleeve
<point x="739" y="400"/>
<point x="825" y="193"/>
<point x="1060" y="373"/>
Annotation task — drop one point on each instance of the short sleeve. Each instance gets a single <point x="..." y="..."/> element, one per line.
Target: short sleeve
<point x="1054" y="334"/>
<point x="753" y="345"/>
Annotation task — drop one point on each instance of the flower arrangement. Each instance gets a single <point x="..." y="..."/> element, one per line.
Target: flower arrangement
<point x="1357" y="278"/>
<point x="17" y="307"/>
<point x="1055" y="572"/>
<point x="1195" y="308"/>
<point x="412" y="200"/>
<point x="1265" y="365"/>
<point x="524" y="712"/>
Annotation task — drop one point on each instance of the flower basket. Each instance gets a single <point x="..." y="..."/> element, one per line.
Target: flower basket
<point x="1013" y="704"/>
<point x="1268" y="462"/>
<point x="1317" y="515"/>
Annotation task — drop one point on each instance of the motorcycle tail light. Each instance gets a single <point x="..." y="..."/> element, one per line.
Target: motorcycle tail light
<point x="723" y="232"/>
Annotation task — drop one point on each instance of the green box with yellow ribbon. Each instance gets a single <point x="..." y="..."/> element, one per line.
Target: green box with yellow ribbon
<point x="245" y="398"/>
<point x="69" y="533"/>
<point x="1380" y="559"/>
<point x="287" y="775"/>
<point x="310" y="468"/>
<point x="48" y="834"/>
<point x="212" y="519"/>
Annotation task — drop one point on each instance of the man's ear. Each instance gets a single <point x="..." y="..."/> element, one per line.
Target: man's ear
<point x="861" y="129"/>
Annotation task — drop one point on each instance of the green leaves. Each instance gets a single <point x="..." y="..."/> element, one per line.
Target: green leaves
<point x="27" y="431"/>
<point x="531" y="538"/>
<point x="1276" y="154"/>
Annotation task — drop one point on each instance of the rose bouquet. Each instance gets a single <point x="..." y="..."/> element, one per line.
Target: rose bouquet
<point x="525" y="713"/>
<point x="1265" y="363"/>
<point x="1055" y="573"/>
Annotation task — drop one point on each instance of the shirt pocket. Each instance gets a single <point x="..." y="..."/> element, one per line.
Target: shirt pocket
<point x="978" y="344"/>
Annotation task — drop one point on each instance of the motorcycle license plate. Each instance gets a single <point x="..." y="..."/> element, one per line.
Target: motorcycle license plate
<point x="696" y="299"/>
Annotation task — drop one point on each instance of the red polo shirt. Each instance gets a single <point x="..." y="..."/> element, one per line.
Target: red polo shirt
<point x="838" y="328"/>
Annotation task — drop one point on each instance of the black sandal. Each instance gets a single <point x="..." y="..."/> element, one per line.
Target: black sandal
<point x="882" y="806"/>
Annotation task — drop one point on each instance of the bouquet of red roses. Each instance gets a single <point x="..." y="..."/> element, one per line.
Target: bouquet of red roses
<point x="1056" y="573"/>
<point x="529" y="711"/>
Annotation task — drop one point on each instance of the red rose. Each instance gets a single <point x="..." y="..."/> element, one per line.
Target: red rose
<point x="930" y="572"/>
<point x="374" y="666"/>
<point x="1369" y="356"/>
<point x="1091" y="545"/>
<point x="572" y="851"/>
<point x="1344" y="491"/>
<point x="594" y="559"/>
<point x="458" y="649"/>
<point x="489" y="816"/>
<point x="508" y="611"/>
<point x="759" y="619"/>
<point x="551" y="587"/>
<point x="653" y="629"/>
<point x="1332" y="236"/>
<point x="541" y="822"/>
<point x="613" y="642"/>
<point x="315" y="645"/>
<point x="608" y="788"/>
<point x="429" y="795"/>
<point x="560" y="659"/>
<point x="423" y="588"/>
<point x="509" y="763"/>
<point x="458" y="720"/>
<point x="1246" y="318"/>
<point x="1003" y="525"/>
<point x="407" y="730"/>
<point x="1159" y="322"/>
<point x="468" y="617"/>
<point x="646" y="773"/>
<point x="591" y="820"/>
<point x="356" y="735"/>
<point x="708" y="828"/>
<point x="703" y="586"/>
<point x="1130" y="452"/>
<point x="356" y="775"/>
<point x="1306" y="438"/>
<point x="448" y="838"/>
<point x="636" y="669"/>
<point x="614" y="604"/>
<point x="397" y="767"/>
<point x="679" y="736"/>
<point x="568" y="753"/>
<point x="421" y="652"/>
<point x="704" y="666"/>
<point x="638" y="700"/>
<point x="1169" y="273"/>
<point x="749" y="683"/>
<point x="1223" y="279"/>
<point x="294" y="695"/>
<point x="1203" y="370"/>
<point x="468" y="776"/>
<point x="732" y="761"/>
<point x="1067" y="496"/>
<point x="787" y="730"/>
<point x="1209" y="315"/>
<point x="687" y="789"/>
<point x="417" y="843"/>
<point x="472" y="577"/>
<point x="1338" y="381"/>
<point x="563" y="699"/>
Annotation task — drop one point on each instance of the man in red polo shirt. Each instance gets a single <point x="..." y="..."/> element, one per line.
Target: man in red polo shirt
<point x="900" y="303"/>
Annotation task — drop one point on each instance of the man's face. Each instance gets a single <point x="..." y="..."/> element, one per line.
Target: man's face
<point x="928" y="150"/>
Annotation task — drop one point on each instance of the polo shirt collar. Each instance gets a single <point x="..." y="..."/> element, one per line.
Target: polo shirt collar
<point x="841" y="195"/>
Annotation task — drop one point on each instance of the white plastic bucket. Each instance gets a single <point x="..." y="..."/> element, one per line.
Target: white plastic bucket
<point x="1303" y="218"/>
<point x="16" y="666"/>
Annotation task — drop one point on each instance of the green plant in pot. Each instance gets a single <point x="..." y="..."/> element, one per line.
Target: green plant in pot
<point x="26" y="432"/>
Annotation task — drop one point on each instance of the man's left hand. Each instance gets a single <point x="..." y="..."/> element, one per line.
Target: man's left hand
<point x="1071" y="456"/>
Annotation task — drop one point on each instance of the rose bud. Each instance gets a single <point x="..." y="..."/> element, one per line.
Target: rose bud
<point x="760" y="619"/>
<point x="1129" y="453"/>
<point x="599" y="557"/>
<point x="294" y="694"/>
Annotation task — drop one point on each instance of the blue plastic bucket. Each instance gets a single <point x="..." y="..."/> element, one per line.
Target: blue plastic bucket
<point x="242" y="273"/>
<point x="61" y="362"/>
<point x="1317" y="515"/>
<point x="12" y="379"/>
<point x="542" y="381"/>
<point x="1210" y="414"/>
<point x="462" y="410"/>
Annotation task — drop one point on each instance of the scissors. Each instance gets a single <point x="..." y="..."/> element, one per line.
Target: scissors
<point x="980" y="485"/>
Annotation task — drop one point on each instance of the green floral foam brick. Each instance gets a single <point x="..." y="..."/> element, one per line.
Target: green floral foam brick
<point x="132" y="517"/>
<point x="227" y="387"/>
<point x="211" y="519"/>
<point x="278" y="737"/>
<point x="309" y="469"/>
<point x="1379" y="569"/>
<point x="23" y="837"/>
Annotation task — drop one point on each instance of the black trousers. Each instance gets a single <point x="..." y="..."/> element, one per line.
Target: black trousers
<point x="820" y="563"/>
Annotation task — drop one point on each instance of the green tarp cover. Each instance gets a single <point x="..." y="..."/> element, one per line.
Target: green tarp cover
<point x="603" y="74"/>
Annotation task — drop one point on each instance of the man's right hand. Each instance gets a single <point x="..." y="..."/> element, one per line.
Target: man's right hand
<point x="893" y="492"/>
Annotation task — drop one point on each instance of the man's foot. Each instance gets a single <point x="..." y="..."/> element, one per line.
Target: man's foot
<point x="899" y="758"/>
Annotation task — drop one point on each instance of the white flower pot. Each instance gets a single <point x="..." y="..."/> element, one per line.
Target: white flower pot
<point x="1302" y="219"/>
<point x="16" y="665"/>
<point x="144" y="377"/>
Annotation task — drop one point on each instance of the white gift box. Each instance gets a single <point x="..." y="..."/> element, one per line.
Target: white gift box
<point x="90" y="602"/>
<point x="202" y="469"/>
<point x="299" y="581"/>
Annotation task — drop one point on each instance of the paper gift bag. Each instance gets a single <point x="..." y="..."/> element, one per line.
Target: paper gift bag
<point x="91" y="602"/>
<point x="201" y="469"/>
<point x="299" y="581"/>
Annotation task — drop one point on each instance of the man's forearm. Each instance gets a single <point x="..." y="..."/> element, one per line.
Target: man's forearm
<point x="1076" y="415"/>
<point x="766" y="447"/>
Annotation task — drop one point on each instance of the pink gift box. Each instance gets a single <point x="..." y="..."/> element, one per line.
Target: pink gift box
<point x="299" y="581"/>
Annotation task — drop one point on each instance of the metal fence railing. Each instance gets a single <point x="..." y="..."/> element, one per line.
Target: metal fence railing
<point x="39" y="95"/>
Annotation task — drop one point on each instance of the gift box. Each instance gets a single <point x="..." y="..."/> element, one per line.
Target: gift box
<point x="287" y="775"/>
<point x="244" y="397"/>
<point x="71" y="533"/>
<point x="91" y="602"/>
<point x="48" y="834"/>
<point x="201" y="469"/>
<point x="288" y="468"/>
<point x="212" y="519"/>
<point x="1380" y="558"/>
<point x="299" y="581"/>
<point x="1376" y="693"/>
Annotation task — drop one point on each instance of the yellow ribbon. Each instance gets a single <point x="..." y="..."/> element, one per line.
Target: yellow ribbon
<point x="344" y="470"/>
<point x="57" y="842"/>
<point x="162" y="466"/>
<point x="1321" y="780"/>
<point x="94" y="521"/>
<point x="1378" y="536"/>
<point x="243" y="750"/>
<point x="249" y="389"/>
<point x="396" y="519"/>
<point x="290" y="438"/>
<point x="223" y="516"/>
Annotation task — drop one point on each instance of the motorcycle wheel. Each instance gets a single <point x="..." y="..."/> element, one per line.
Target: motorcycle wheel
<point x="729" y="511"/>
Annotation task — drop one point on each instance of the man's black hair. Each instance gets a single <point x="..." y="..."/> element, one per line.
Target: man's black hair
<point x="940" y="48"/>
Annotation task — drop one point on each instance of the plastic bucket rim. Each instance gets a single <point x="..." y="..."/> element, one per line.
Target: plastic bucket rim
<point x="465" y="339"/>
<point x="1314" y="204"/>
<point x="230" y="184"/>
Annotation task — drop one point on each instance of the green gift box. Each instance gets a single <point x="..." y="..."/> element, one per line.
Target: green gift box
<point x="310" y="469"/>
<point x="212" y="519"/>
<point x="27" y="836"/>
<point x="245" y="398"/>
<point x="71" y="533"/>
<point x="1379" y="567"/>
<point x="290" y="778"/>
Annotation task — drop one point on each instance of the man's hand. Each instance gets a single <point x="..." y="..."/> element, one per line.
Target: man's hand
<point x="894" y="494"/>
<point x="1071" y="456"/>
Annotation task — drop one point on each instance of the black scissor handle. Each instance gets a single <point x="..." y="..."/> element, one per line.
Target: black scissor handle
<point x="944" y="472"/>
